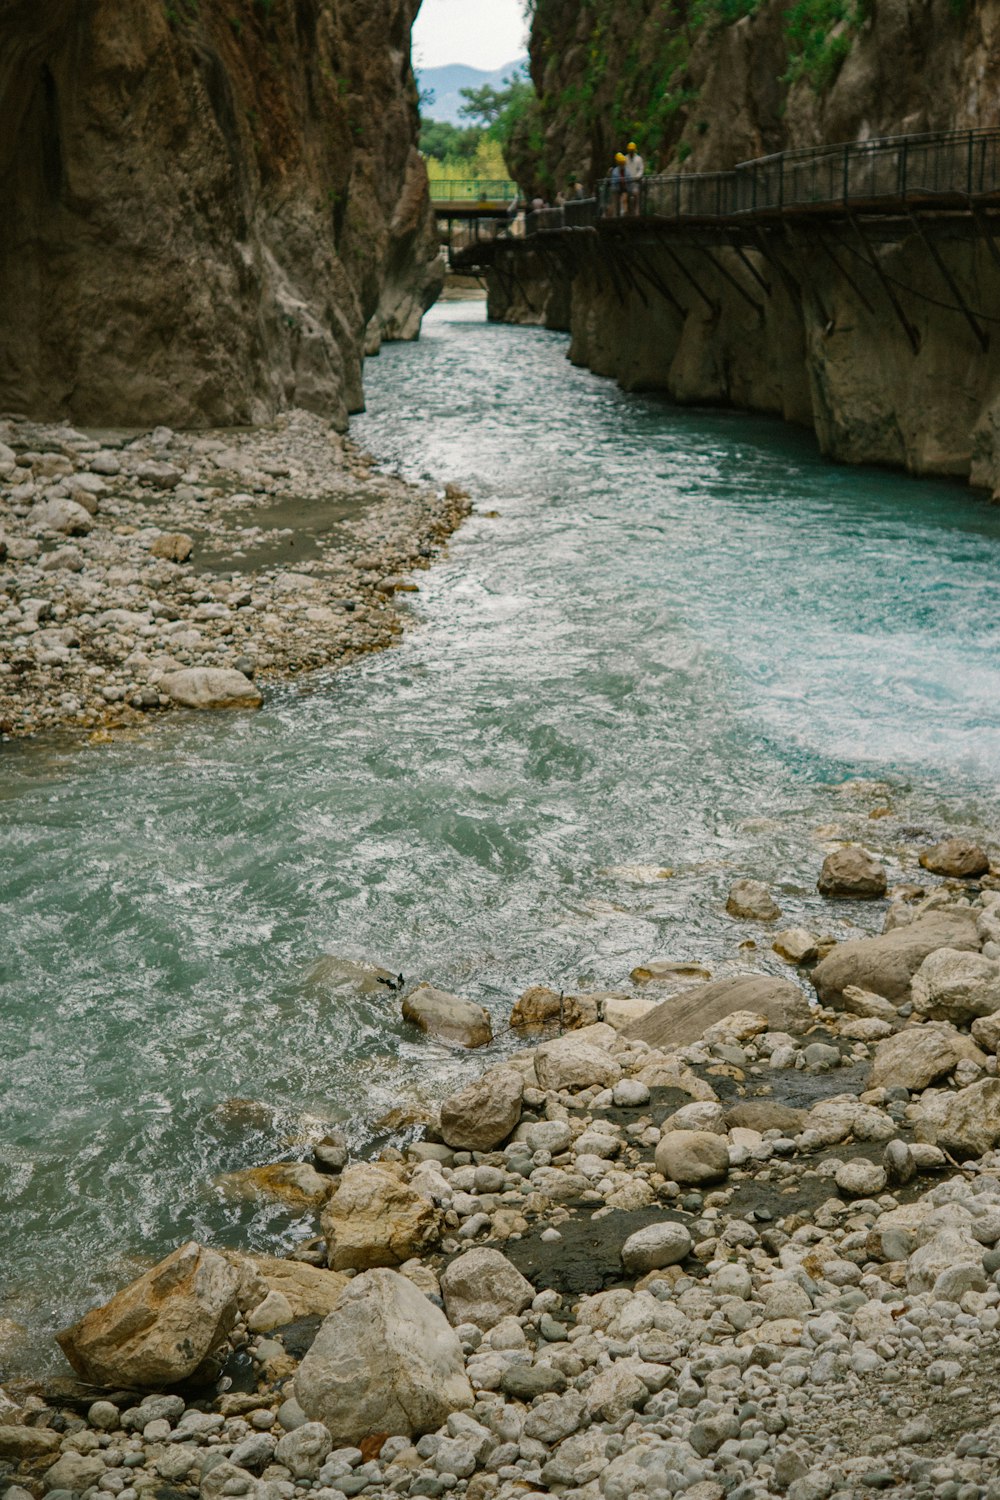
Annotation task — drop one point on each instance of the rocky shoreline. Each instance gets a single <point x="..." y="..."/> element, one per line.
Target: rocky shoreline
<point x="144" y="571"/>
<point x="720" y="1238"/>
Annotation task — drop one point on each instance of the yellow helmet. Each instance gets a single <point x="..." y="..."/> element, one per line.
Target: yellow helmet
<point x="631" y="146"/>
<point x="619" y="157"/>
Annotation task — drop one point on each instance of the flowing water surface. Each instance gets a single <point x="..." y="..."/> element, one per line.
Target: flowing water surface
<point x="666" y="640"/>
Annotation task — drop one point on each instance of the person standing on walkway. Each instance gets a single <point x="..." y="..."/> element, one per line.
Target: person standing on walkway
<point x="635" y="170"/>
<point x="618" y="187"/>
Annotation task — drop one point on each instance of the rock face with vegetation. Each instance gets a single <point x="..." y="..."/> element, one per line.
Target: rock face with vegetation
<point x="792" y="331"/>
<point x="206" y="206"/>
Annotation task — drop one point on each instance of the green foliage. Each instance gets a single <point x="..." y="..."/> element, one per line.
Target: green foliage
<point x="499" y="111"/>
<point x="441" y="140"/>
<point x="820" y="33"/>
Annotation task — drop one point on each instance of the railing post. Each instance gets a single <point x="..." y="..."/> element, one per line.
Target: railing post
<point x="781" y="180"/>
<point x="847" y="169"/>
<point x="677" y="196"/>
<point x="903" y="163"/>
<point x="968" y="170"/>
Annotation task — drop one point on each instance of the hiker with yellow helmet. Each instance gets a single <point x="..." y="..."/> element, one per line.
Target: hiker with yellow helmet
<point x="619" y="185"/>
<point x="635" y="170"/>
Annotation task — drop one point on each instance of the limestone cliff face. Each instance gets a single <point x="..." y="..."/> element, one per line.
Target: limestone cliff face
<point x="700" y="93"/>
<point x="205" y="206"/>
<point x="820" y="342"/>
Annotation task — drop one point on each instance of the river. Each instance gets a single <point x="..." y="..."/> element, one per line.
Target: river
<point x="667" y="640"/>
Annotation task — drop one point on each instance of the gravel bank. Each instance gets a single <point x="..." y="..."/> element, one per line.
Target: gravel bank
<point x="626" y="1260"/>
<point x="126" y="560"/>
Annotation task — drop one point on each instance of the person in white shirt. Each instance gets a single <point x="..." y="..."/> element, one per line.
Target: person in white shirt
<point x="635" y="169"/>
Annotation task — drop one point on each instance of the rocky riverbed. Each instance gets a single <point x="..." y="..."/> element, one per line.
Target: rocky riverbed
<point x="717" y="1238"/>
<point x="139" y="572"/>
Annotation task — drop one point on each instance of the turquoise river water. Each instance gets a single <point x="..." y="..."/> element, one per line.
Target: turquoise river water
<point x="680" y="641"/>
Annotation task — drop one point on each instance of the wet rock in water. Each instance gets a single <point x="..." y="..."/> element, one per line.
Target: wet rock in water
<point x="797" y="945"/>
<point x="539" y="1006"/>
<point x="376" y="1219"/>
<point x="448" y="1017"/>
<point x="481" y="1286"/>
<point x="914" y="1058"/>
<point x="571" y="1062"/>
<point x="386" y="1360"/>
<point x="683" y="1018"/>
<point x="484" y="1113"/>
<point x="210" y="687"/>
<point x="960" y="858"/>
<point x="157" y="1331"/>
<point x="852" y="872"/>
<point x="293" y="1182"/>
<point x="886" y="964"/>
<point x="692" y="1157"/>
<point x="957" y="986"/>
<point x="669" y="971"/>
<point x="752" y="901"/>
<point x="654" y="1247"/>
<point x="175" y="546"/>
<point x="353" y="976"/>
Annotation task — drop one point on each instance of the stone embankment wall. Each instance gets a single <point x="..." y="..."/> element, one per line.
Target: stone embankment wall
<point x="816" y="350"/>
<point x="206" y="206"/>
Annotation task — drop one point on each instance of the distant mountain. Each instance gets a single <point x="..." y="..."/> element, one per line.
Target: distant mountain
<point x="447" y="83"/>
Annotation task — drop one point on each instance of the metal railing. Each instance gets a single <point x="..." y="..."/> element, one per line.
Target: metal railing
<point x="473" y="190"/>
<point x="949" y="167"/>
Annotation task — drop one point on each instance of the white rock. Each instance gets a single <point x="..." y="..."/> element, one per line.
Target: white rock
<point x="385" y="1360"/>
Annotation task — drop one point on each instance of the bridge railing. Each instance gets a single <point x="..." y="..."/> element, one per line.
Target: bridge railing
<point x="473" y="190"/>
<point x="891" y="171"/>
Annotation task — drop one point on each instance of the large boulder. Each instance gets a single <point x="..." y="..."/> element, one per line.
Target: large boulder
<point x="682" y="1019"/>
<point x="482" y="1287"/>
<point x="448" y="1017"/>
<point x="966" y="1124"/>
<point x="952" y="985"/>
<point x="484" y="1113"/>
<point x="210" y="687"/>
<point x="852" y="872"/>
<point x="571" y="1062"/>
<point x="914" y="1058"/>
<point x="376" y="1219"/>
<point x="692" y="1157"/>
<point x="386" y="1360"/>
<point x="656" y="1246"/>
<point x="959" y="858"/>
<point x="886" y="964"/>
<point x="157" y="1331"/>
<point x="752" y="901"/>
<point x="539" y="1006"/>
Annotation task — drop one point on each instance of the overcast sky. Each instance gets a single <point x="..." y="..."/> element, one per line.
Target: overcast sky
<point x="481" y="33"/>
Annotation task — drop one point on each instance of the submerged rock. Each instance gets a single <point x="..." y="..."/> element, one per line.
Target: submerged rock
<point x="157" y="1331"/>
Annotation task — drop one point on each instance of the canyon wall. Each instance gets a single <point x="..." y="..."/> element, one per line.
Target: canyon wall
<point x="208" y="208"/>
<point x="805" y="326"/>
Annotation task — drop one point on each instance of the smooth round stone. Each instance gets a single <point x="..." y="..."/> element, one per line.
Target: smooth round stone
<point x="656" y="1246"/>
<point x="629" y="1093"/>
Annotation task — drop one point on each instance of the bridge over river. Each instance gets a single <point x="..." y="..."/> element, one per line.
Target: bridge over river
<point x="776" y="215"/>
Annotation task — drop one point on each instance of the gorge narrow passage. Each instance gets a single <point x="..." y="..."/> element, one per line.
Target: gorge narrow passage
<point x="678" y="637"/>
